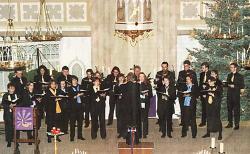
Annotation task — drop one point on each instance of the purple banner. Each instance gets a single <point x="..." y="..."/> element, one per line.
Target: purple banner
<point x="24" y="118"/>
<point x="152" y="109"/>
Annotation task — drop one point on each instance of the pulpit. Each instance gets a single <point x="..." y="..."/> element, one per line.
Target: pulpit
<point x="141" y="148"/>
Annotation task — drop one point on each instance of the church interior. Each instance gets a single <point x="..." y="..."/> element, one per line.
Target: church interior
<point x="79" y="35"/>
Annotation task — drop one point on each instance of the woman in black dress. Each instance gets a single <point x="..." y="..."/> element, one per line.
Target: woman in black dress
<point x="53" y="108"/>
<point x="214" y="94"/>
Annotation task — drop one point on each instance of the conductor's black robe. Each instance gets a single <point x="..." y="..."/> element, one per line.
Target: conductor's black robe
<point x="132" y="96"/>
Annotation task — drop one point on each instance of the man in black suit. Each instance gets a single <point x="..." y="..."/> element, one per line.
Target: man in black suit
<point x="204" y="76"/>
<point x="158" y="79"/>
<point x="77" y="109"/>
<point x="86" y="84"/>
<point x="181" y="83"/>
<point x="164" y="72"/>
<point x="19" y="81"/>
<point x="64" y="76"/>
<point x="235" y="83"/>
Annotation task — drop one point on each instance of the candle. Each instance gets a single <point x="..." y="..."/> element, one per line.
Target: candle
<point x="242" y="58"/>
<point x="50" y="71"/>
<point x="220" y="29"/>
<point x="242" y="30"/>
<point x="229" y="31"/>
<point x="224" y="35"/>
<point x="237" y="57"/>
<point x="212" y="142"/>
<point x="221" y="148"/>
<point x="237" y="31"/>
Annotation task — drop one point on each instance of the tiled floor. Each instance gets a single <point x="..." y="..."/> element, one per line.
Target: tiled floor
<point x="236" y="142"/>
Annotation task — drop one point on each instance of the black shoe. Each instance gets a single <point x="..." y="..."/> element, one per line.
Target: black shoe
<point x="202" y="124"/>
<point x="220" y="137"/>
<point x="144" y="136"/>
<point x="183" y="135"/>
<point x="193" y="136"/>
<point x="72" y="140"/>
<point x="103" y="138"/>
<point x="81" y="138"/>
<point x="163" y="135"/>
<point x="119" y="136"/>
<point x="206" y="135"/>
<point x="66" y="132"/>
<point x="169" y="135"/>
<point x="109" y="123"/>
<point x="229" y="126"/>
<point x="86" y="125"/>
<point x="49" y="140"/>
<point x="93" y="138"/>
<point x="157" y="122"/>
<point x="236" y="128"/>
<point x="181" y="124"/>
<point x="58" y="139"/>
<point x="30" y="143"/>
<point x="9" y="144"/>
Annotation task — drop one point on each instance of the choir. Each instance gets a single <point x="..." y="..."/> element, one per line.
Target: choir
<point x="64" y="103"/>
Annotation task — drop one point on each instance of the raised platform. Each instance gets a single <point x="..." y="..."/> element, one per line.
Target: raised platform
<point x="141" y="148"/>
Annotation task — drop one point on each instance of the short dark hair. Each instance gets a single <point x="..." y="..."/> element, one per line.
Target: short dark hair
<point x="212" y="78"/>
<point x="216" y="72"/>
<point x="190" y="76"/>
<point x="90" y="70"/>
<point x="234" y="64"/>
<point x="74" y="77"/>
<point x="18" y="69"/>
<point x="10" y="85"/>
<point x="137" y="66"/>
<point x="164" y="63"/>
<point x="187" y="62"/>
<point x="206" y="64"/>
<point x="165" y="77"/>
<point x="65" y="68"/>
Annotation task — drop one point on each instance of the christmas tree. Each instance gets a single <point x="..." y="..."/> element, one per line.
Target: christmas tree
<point x="226" y="40"/>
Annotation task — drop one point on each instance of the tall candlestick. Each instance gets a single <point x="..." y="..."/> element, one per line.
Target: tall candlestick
<point x="221" y="148"/>
<point x="212" y="142"/>
<point x="237" y="31"/>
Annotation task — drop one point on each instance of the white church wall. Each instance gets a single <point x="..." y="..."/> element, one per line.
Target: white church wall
<point x="75" y="52"/>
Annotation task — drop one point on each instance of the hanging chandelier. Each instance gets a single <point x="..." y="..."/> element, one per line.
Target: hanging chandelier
<point x="43" y="31"/>
<point x="11" y="56"/>
<point x="133" y="20"/>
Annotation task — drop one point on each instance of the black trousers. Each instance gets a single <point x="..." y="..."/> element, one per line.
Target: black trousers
<point x="189" y="120"/>
<point x="144" y="121"/>
<point x="87" y="112"/>
<point x="112" y="102"/>
<point x="121" y="119"/>
<point x="203" y="110"/>
<point x="233" y="108"/>
<point x="181" y="102"/>
<point x="9" y="129"/>
<point x="76" y="116"/>
<point x="165" y="118"/>
<point x="98" y="119"/>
